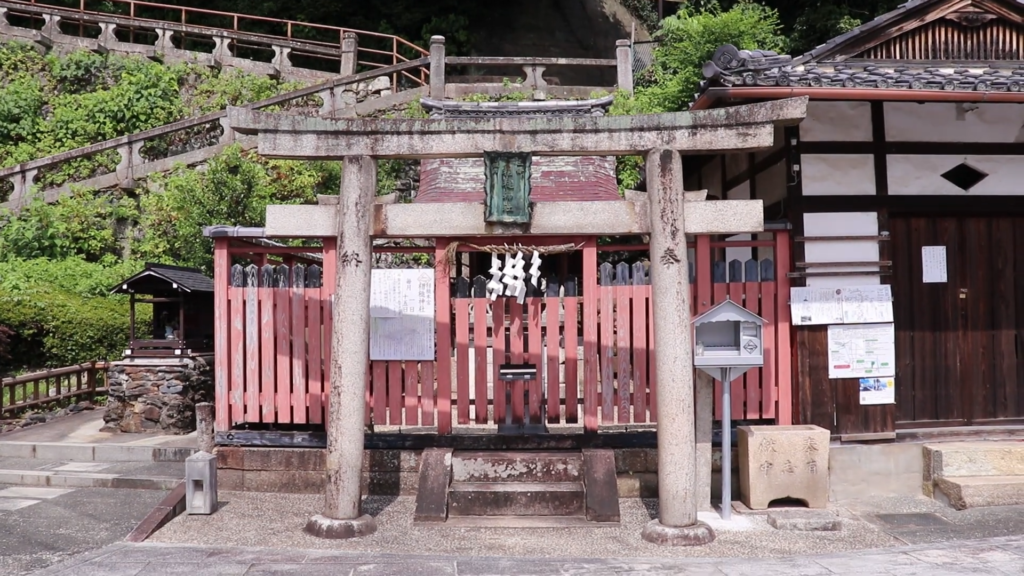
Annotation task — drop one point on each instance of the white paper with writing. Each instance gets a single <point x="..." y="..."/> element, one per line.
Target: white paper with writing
<point x="933" y="263"/>
<point x="401" y="314"/>
<point x="861" y="350"/>
<point x="816" y="306"/>
<point x="867" y="304"/>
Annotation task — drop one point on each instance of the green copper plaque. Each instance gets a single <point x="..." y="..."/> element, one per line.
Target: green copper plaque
<point x="507" y="183"/>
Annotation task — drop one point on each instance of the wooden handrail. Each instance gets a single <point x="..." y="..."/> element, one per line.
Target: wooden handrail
<point x="208" y="118"/>
<point x="86" y="385"/>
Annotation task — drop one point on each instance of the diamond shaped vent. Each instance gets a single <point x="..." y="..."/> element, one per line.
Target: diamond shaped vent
<point x="964" y="176"/>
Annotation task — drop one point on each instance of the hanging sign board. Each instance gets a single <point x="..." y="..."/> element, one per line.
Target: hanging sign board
<point x="401" y="314"/>
<point x="861" y="351"/>
<point x="851" y="305"/>
<point x="877" y="391"/>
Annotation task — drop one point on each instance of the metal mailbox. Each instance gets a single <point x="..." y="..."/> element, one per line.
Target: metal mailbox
<point x="728" y="336"/>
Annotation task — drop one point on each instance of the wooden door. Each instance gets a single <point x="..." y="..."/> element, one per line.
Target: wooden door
<point x="958" y="343"/>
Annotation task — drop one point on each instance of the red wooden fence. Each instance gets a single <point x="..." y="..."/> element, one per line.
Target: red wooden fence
<point x="274" y="327"/>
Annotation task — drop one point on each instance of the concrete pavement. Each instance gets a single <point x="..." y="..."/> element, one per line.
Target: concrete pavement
<point x="990" y="557"/>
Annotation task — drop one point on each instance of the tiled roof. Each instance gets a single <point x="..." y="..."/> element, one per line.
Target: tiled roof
<point x="187" y="279"/>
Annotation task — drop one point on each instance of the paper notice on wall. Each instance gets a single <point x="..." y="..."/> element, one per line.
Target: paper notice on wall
<point x="861" y="351"/>
<point x="816" y="306"/>
<point x="933" y="263"/>
<point x="877" y="391"/>
<point x="401" y="314"/>
<point x="867" y="304"/>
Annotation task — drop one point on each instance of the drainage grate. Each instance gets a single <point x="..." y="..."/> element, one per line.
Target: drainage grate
<point x="913" y="520"/>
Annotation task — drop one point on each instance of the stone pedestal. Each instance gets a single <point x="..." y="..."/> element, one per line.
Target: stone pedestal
<point x="157" y="394"/>
<point x="783" y="462"/>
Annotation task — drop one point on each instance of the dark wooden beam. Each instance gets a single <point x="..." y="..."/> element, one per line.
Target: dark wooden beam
<point x="753" y="170"/>
<point x="916" y="148"/>
<point x="974" y="205"/>
<point x="878" y="137"/>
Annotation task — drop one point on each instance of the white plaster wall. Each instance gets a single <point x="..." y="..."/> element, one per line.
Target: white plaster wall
<point x="835" y="121"/>
<point x="838" y="174"/>
<point x="953" y="122"/>
<point x="913" y="175"/>
<point x="841" y="224"/>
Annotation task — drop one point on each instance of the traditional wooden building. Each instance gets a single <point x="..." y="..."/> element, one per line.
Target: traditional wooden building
<point x="907" y="172"/>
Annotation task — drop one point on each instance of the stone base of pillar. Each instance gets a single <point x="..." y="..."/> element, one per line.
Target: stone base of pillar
<point x="330" y="528"/>
<point x="698" y="534"/>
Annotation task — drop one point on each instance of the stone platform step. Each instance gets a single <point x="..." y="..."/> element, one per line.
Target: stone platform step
<point x="517" y="499"/>
<point x="509" y="466"/>
<point x="94" y="452"/>
<point x="979" y="491"/>
<point x="64" y="474"/>
<point x="972" y="459"/>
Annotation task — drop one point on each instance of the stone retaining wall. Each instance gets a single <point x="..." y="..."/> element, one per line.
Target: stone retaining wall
<point x="149" y="394"/>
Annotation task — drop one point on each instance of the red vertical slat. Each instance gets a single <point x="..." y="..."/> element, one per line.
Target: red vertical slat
<point x="427" y="385"/>
<point x="315" y="376"/>
<point x="515" y="312"/>
<point x="395" y="387"/>
<point x="572" y="382"/>
<point x="702" y="266"/>
<point x="379" y="383"/>
<point x="720" y="290"/>
<point x="480" y="357"/>
<point x="268" y="396"/>
<point x="221" y="328"/>
<point x="462" y="358"/>
<point x="300" y="402"/>
<point x="536" y="356"/>
<point x="327" y="303"/>
<point x="623" y="311"/>
<point x="738" y="385"/>
<point x="652" y="373"/>
<point x="498" y="346"/>
<point x="443" y="368"/>
<point x="752" y="302"/>
<point x="607" y="336"/>
<point x="640" y="352"/>
<point x="785" y="374"/>
<point x="412" y="396"/>
<point x="237" y="355"/>
<point x="252" y="351"/>
<point x="769" y="377"/>
<point x="553" y="348"/>
<point x="368" y="397"/>
<point x="282" y="318"/>
<point x="590" y="352"/>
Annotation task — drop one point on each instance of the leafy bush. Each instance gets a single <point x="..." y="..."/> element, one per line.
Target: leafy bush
<point x="72" y="275"/>
<point x="56" y="328"/>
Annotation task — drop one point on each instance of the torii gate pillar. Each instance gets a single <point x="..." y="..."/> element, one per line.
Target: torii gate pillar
<point x="670" y="296"/>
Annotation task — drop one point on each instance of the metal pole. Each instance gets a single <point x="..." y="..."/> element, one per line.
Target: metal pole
<point x="726" y="377"/>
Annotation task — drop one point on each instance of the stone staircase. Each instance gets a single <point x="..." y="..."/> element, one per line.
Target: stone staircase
<point x="518" y="489"/>
<point x="975" y="474"/>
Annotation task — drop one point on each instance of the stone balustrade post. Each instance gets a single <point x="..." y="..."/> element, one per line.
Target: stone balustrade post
<point x="282" y="60"/>
<point x="51" y="28"/>
<point x="163" y="40"/>
<point x="221" y="51"/>
<point x="106" y="38"/>
<point x="624" y="66"/>
<point x="349" y="53"/>
<point x="23" y="182"/>
<point x="227" y="134"/>
<point x="437" y="67"/>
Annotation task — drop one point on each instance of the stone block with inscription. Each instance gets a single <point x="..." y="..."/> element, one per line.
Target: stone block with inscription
<point x="783" y="462"/>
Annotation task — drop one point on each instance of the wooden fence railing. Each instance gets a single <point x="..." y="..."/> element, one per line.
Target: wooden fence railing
<point x="83" y="381"/>
<point x="592" y="346"/>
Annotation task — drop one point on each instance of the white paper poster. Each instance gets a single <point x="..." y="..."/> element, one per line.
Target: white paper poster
<point x="402" y="314"/>
<point x="861" y="350"/>
<point x="852" y="305"/>
<point x="867" y="304"/>
<point x="933" y="263"/>
<point x="877" y="391"/>
<point x="816" y="306"/>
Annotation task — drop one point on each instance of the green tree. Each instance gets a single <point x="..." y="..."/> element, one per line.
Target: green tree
<point x="689" y="38"/>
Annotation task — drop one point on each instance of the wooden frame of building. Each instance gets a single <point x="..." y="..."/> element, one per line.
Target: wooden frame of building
<point x="912" y="139"/>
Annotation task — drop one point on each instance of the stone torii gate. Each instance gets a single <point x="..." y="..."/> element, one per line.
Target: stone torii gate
<point x="665" y="213"/>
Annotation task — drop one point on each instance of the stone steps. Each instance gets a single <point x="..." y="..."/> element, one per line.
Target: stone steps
<point x="516" y="499"/>
<point x="479" y="466"/>
<point x="975" y="474"/>
<point x="66" y="474"/>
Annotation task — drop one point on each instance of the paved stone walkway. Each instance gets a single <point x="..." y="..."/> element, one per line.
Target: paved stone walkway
<point x="990" y="557"/>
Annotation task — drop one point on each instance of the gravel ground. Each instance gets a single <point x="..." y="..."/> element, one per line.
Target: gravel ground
<point x="276" y="520"/>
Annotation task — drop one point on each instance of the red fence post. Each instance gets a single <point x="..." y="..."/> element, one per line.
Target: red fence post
<point x="785" y="379"/>
<point x="221" y="278"/>
<point x="443" y="315"/>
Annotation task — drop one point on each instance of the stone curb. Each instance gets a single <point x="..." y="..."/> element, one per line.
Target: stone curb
<point x="76" y="452"/>
<point x="85" y="480"/>
<point x="168" y="509"/>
